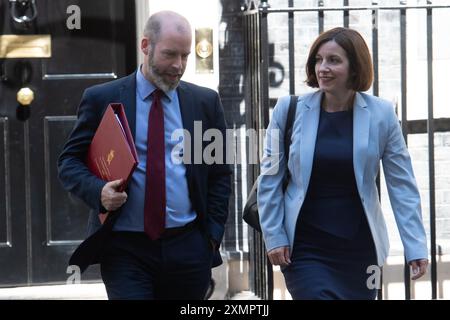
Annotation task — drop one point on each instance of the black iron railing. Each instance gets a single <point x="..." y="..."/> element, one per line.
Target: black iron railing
<point x="255" y="15"/>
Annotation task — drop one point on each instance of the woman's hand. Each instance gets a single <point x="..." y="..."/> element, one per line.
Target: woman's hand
<point x="419" y="268"/>
<point x="279" y="256"/>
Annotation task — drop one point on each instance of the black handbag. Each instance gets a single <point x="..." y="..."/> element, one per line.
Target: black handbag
<point x="250" y="213"/>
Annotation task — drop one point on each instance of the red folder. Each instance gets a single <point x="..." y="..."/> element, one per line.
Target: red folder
<point x="112" y="154"/>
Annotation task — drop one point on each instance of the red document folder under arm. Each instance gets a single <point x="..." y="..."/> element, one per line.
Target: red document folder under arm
<point x="112" y="154"/>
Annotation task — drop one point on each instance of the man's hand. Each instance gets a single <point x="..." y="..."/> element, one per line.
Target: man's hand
<point x="419" y="268"/>
<point x="111" y="198"/>
<point x="279" y="256"/>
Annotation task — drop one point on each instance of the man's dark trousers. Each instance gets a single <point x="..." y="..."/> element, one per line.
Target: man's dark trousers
<point x="135" y="267"/>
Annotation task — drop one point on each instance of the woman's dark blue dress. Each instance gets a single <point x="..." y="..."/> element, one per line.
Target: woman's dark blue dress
<point x="333" y="244"/>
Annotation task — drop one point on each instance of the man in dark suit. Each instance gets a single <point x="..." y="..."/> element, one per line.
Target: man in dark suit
<point x="138" y="259"/>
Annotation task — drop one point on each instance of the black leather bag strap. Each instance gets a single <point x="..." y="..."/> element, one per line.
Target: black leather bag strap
<point x="289" y="124"/>
<point x="288" y="135"/>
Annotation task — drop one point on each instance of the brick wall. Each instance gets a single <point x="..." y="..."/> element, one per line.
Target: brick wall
<point x="231" y="88"/>
<point x="306" y="30"/>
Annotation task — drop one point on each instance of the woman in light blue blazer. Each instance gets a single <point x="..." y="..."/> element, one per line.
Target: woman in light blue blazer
<point x="326" y="230"/>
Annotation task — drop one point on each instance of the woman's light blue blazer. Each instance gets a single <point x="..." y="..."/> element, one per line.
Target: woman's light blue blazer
<point x="376" y="136"/>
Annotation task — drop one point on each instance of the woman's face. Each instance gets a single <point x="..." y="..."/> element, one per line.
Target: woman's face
<point x="332" y="68"/>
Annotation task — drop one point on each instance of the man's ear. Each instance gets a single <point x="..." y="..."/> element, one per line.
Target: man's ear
<point x="145" y="46"/>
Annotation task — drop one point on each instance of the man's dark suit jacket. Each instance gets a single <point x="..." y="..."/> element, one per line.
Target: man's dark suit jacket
<point x="209" y="185"/>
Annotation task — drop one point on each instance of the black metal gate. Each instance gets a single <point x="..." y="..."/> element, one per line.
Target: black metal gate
<point x="260" y="78"/>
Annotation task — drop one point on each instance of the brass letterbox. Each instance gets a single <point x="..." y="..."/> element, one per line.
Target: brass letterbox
<point x="25" y="46"/>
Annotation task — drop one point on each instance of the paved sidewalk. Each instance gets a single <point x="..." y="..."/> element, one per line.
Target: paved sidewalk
<point x="91" y="291"/>
<point x="94" y="291"/>
<point x="245" y="295"/>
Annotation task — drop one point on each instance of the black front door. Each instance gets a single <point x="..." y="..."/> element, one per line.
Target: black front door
<point x="80" y="43"/>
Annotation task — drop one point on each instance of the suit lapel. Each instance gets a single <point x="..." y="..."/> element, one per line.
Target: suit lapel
<point x="309" y="126"/>
<point x="128" y="99"/>
<point x="186" y="107"/>
<point x="186" y="101"/>
<point x="361" y="123"/>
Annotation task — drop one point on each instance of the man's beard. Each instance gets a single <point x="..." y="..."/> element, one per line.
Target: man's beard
<point x="156" y="77"/>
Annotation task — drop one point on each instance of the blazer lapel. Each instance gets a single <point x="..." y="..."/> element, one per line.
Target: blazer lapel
<point x="361" y="123"/>
<point x="128" y="99"/>
<point x="309" y="126"/>
<point x="186" y="107"/>
<point x="186" y="102"/>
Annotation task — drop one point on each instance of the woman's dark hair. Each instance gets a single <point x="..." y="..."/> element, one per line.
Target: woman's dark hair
<point x="360" y="61"/>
